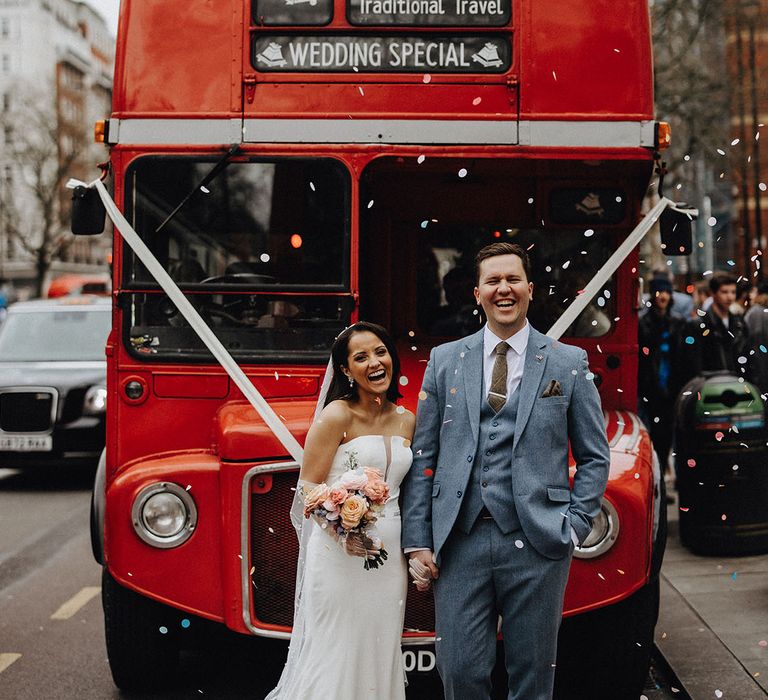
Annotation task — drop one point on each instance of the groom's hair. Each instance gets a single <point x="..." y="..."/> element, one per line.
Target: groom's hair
<point x="494" y="249"/>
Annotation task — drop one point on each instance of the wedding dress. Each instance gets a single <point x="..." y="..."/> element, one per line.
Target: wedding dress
<point x="347" y="642"/>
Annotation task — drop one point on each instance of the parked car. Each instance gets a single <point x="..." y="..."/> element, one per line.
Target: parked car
<point x="53" y="381"/>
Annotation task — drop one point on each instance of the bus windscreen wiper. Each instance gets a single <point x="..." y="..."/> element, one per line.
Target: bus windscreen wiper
<point x="215" y="170"/>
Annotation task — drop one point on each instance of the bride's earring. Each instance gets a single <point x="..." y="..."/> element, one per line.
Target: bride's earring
<point x="351" y="382"/>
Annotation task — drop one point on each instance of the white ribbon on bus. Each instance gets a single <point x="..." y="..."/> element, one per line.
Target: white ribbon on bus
<point x="237" y="375"/>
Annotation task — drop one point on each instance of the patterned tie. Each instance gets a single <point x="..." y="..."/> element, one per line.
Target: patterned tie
<point x="497" y="395"/>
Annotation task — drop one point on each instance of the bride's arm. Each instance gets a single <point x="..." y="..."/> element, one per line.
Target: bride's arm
<point x="323" y="439"/>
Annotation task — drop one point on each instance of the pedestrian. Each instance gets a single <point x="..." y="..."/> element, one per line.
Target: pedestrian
<point x="488" y="512"/>
<point x="745" y="292"/>
<point x="702" y="297"/>
<point x="718" y="340"/>
<point x="756" y="319"/>
<point x="659" y="372"/>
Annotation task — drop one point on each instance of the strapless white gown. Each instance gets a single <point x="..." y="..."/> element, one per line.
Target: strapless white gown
<point x="354" y="617"/>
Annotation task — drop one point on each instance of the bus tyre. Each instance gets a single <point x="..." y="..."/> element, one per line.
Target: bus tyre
<point x="142" y="646"/>
<point x="605" y="654"/>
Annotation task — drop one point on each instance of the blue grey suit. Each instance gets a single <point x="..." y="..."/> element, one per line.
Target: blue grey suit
<point x="486" y="569"/>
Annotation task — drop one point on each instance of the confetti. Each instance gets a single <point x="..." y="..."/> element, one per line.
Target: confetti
<point x="421" y="159"/>
<point x="477" y="101"/>
<point x="519" y="544"/>
<point x="601" y="576"/>
<point x="427" y="78"/>
<point x="370" y="204"/>
<point x="718" y="693"/>
<point x="163" y="629"/>
<point x="554" y="75"/>
<point x="400" y="410"/>
<point x="403" y="381"/>
<point x="203" y="188"/>
<point x="463" y="172"/>
<point x="763" y="643"/>
<point x="733" y="575"/>
<point x="428" y="472"/>
<point x="185" y="623"/>
<point x="589" y="232"/>
<point x="719" y="436"/>
<point x="723" y="517"/>
<point x="360" y="88"/>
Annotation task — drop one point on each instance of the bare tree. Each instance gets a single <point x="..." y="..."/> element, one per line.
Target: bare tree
<point x="41" y="152"/>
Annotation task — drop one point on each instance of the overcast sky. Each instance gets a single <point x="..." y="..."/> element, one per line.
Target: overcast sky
<point x="108" y="10"/>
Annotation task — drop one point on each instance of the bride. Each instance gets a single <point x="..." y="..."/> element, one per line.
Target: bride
<point x="349" y="618"/>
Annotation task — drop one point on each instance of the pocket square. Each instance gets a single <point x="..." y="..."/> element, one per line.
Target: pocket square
<point x="553" y="389"/>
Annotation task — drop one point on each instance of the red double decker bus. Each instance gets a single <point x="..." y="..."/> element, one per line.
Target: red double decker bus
<point x="296" y="165"/>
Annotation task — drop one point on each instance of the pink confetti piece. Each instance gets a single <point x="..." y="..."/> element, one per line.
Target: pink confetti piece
<point x="477" y="101"/>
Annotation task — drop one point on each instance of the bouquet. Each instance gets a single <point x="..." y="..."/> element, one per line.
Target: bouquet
<point x="348" y="510"/>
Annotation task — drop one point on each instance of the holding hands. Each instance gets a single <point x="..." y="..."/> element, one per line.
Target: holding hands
<point x="422" y="569"/>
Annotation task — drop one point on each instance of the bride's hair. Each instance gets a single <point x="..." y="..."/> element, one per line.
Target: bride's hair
<point x="340" y="388"/>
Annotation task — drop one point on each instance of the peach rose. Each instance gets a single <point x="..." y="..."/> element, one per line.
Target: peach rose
<point x="315" y="497"/>
<point x="352" y="511"/>
<point x="376" y="489"/>
<point x="353" y="480"/>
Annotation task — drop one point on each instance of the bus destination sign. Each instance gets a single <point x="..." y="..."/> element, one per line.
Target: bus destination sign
<point x="435" y="13"/>
<point x="335" y="53"/>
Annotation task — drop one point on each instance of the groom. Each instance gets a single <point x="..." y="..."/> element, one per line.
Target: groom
<point x="488" y="510"/>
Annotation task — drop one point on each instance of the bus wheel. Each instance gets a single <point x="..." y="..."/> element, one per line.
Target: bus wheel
<point x="142" y="646"/>
<point x="605" y="654"/>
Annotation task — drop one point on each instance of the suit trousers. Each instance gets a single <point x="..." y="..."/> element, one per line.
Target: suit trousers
<point x="483" y="575"/>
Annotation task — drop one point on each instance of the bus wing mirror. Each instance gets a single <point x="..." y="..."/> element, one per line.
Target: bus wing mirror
<point x="676" y="232"/>
<point x="88" y="212"/>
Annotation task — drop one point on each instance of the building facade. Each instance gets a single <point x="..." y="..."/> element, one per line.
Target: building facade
<point x="56" y="67"/>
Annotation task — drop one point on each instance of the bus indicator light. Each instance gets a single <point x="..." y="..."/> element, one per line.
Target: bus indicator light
<point x="663" y="135"/>
<point x="100" y="131"/>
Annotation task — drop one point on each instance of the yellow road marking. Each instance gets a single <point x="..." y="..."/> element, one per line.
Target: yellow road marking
<point x="7" y="659"/>
<point x="76" y="602"/>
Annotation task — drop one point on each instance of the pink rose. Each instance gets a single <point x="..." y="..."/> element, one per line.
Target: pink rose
<point x="315" y="497"/>
<point x="338" y="495"/>
<point x="352" y="511"/>
<point x="353" y="480"/>
<point x="376" y="489"/>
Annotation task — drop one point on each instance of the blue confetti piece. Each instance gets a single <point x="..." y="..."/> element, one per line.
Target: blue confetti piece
<point x="185" y="623"/>
<point x="424" y="223"/>
<point x="690" y="340"/>
<point x="763" y="348"/>
<point x="733" y="575"/>
<point x="731" y="262"/>
<point x="163" y="630"/>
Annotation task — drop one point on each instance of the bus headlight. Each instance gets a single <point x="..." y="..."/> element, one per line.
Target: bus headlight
<point x="605" y="531"/>
<point x="164" y="515"/>
<point x="95" y="401"/>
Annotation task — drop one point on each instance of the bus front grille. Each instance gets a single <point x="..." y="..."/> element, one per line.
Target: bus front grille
<point x="274" y="549"/>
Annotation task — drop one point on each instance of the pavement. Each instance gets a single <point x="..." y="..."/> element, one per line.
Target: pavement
<point x="713" y="621"/>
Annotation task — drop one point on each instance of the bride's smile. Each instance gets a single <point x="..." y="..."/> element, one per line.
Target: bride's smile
<point x="369" y="363"/>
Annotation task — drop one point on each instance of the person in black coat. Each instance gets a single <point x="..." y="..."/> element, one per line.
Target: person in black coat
<point x="659" y="371"/>
<point x="719" y="340"/>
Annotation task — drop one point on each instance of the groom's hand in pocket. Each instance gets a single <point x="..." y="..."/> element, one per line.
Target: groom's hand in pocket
<point x="423" y="569"/>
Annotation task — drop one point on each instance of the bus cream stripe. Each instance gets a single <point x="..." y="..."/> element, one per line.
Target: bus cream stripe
<point x="76" y="602"/>
<point x="7" y="659"/>
<point x="570" y="134"/>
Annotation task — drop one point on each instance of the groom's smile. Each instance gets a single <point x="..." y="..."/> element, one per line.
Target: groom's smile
<point x="504" y="292"/>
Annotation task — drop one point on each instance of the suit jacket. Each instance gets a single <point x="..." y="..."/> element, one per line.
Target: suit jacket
<point x="445" y="444"/>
